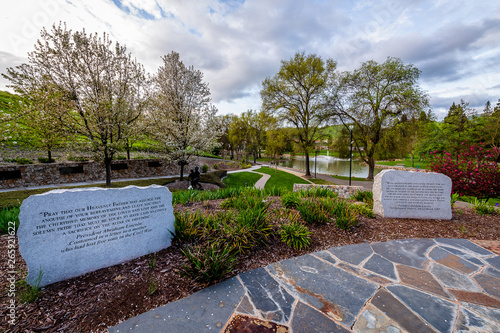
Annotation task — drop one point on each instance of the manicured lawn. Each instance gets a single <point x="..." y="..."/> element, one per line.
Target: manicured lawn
<point x="239" y="179"/>
<point x="407" y="163"/>
<point x="352" y="178"/>
<point x="321" y="182"/>
<point x="281" y="178"/>
<point x="15" y="198"/>
<point x="491" y="201"/>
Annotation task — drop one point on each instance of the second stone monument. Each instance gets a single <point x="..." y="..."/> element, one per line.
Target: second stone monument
<point x="407" y="194"/>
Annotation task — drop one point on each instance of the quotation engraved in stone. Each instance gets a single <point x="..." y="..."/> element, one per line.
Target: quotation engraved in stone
<point x="68" y="233"/>
<point x="407" y="194"/>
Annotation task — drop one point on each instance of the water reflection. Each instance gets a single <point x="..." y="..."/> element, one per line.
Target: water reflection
<point x="329" y="165"/>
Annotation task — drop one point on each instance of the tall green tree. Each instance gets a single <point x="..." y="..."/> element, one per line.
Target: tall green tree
<point x="457" y="125"/>
<point x="373" y="98"/>
<point x="295" y="95"/>
<point x="104" y="87"/>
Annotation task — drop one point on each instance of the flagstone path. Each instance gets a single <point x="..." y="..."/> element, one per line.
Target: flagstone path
<point x="412" y="285"/>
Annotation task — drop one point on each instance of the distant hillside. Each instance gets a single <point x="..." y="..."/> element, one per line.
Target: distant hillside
<point x="8" y="102"/>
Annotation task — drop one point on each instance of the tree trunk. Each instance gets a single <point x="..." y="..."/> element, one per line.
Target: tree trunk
<point x="308" y="172"/>
<point x="128" y="153"/>
<point x="49" y="154"/>
<point x="107" y="165"/>
<point x="371" y="167"/>
<point x="182" y="171"/>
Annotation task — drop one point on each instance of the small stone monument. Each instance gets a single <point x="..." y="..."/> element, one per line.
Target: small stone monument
<point x="67" y="233"/>
<point x="408" y="194"/>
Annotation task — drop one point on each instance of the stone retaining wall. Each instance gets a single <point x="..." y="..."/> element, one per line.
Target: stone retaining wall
<point x="344" y="191"/>
<point x="63" y="173"/>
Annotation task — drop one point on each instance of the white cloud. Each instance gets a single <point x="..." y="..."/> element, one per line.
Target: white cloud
<point x="238" y="43"/>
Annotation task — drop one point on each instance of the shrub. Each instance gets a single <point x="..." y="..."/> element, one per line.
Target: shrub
<point x="295" y="235"/>
<point x="120" y="157"/>
<point x="24" y="161"/>
<point x="77" y="158"/>
<point x="364" y="196"/>
<point x="311" y="212"/>
<point x="8" y="215"/>
<point x="474" y="171"/>
<point x="46" y="160"/>
<point x="205" y="168"/>
<point x="290" y="200"/>
<point x="209" y="263"/>
<point x="216" y="166"/>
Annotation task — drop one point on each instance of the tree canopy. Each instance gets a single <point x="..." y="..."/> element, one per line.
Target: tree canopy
<point x="372" y="98"/>
<point x="295" y="95"/>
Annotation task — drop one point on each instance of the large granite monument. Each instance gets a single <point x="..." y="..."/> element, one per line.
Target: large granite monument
<point x="67" y="233"/>
<point x="408" y="194"/>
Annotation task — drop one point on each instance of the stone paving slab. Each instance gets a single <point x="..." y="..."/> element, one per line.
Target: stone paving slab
<point x="414" y="285"/>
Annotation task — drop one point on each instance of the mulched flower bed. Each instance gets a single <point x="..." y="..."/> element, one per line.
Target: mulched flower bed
<point x="103" y="298"/>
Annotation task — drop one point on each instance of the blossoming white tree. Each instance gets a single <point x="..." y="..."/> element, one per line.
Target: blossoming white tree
<point x="181" y="116"/>
<point x="103" y="88"/>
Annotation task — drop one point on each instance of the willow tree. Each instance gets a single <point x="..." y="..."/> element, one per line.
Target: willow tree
<point x="373" y="98"/>
<point x="102" y="85"/>
<point x="295" y="95"/>
<point x="182" y="119"/>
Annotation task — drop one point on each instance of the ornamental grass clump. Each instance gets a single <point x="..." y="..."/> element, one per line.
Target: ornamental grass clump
<point x="364" y="196"/>
<point x="363" y="209"/>
<point x="311" y="212"/>
<point x="208" y="263"/>
<point x="345" y="216"/>
<point x="482" y="208"/>
<point x="290" y="200"/>
<point x="295" y="235"/>
<point x="9" y="217"/>
<point x="318" y="192"/>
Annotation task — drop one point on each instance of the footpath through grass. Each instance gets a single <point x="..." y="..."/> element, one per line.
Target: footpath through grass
<point x="281" y="179"/>
<point x="241" y="179"/>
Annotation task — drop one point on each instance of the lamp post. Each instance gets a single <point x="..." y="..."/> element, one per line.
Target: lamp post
<point x="315" y="161"/>
<point x="350" y="156"/>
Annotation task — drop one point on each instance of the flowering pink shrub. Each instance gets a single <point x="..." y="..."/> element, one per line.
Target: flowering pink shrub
<point x="474" y="172"/>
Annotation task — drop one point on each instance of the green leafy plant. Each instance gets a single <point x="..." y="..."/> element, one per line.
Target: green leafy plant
<point x="152" y="258"/>
<point x="205" y="168"/>
<point x="215" y="166"/>
<point x="318" y="192"/>
<point x="364" y="196"/>
<point x="290" y="200"/>
<point x="188" y="225"/>
<point x="295" y="235"/>
<point x="363" y="209"/>
<point x="462" y="229"/>
<point x="311" y="212"/>
<point x="27" y="292"/>
<point x="482" y="208"/>
<point x="345" y="217"/>
<point x="24" y="161"/>
<point x="276" y="191"/>
<point x="454" y="199"/>
<point x="46" y="160"/>
<point x="8" y="215"/>
<point x="152" y="284"/>
<point x="209" y="263"/>
<point x="256" y="222"/>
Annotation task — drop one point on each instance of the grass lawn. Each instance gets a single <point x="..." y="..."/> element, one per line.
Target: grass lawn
<point x="321" y="181"/>
<point x="352" y="178"/>
<point x="238" y="179"/>
<point x="491" y="201"/>
<point x="15" y="198"/>
<point x="407" y="163"/>
<point x="281" y="178"/>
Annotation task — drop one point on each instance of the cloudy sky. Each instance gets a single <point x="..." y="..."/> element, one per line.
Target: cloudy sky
<point x="237" y="43"/>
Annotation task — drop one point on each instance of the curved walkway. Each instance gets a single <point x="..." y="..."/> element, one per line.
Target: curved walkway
<point x="413" y="285"/>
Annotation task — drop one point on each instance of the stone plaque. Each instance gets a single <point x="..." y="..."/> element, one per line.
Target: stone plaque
<point x="67" y="233"/>
<point x="408" y="194"/>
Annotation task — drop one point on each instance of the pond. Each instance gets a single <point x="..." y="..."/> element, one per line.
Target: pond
<point x="329" y="165"/>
